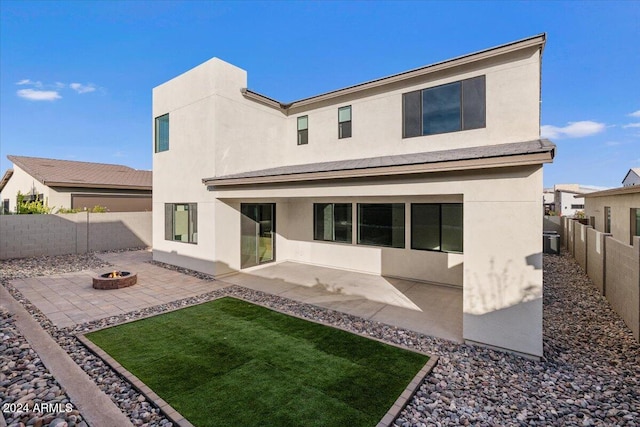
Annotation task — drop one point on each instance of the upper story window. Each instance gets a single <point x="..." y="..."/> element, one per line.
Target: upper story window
<point x="303" y="130"/>
<point x="344" y="122"/>
<point x="607" y="219"/>
<point x="447" y="108"/>
<point x="162" y="133"/>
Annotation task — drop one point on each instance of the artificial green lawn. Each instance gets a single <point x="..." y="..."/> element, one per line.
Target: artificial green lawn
<point x="229" y="362"/>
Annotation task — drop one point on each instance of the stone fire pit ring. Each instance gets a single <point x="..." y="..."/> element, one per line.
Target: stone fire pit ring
<point x="123" y="279"/>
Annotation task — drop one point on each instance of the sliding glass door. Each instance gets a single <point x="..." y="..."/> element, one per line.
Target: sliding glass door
<point x="257" y="233"/>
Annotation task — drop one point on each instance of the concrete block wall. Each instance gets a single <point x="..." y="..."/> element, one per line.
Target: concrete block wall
<point x="595" y="258"/>
<point x="580" y="244"/>
<point x="622" y="281"/>
<point x="24" y="236"/>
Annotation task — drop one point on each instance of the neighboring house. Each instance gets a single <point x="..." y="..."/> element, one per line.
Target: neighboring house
<point x="548" y="201"/>
<point x="78" y="185"/>
<point x="632" y="177"/>
<point x="615" y="211"/>
<point x="569" y="198"/>
<point x="433" y="174"/>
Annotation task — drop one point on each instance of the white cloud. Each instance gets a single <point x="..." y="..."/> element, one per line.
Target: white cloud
<point x="80" y="88"/>
<point x="29" y="82"/>
<point x="572" y="130"/>
<point x="634" y="114"/>
<point x="631" y="125"/>
<point x="38" y="95"/>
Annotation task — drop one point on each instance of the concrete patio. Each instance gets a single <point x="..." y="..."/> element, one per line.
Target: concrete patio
<point x="429" y="309"/>
<point x="69" y="299"/>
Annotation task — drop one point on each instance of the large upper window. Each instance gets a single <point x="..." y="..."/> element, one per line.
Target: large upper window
<point x="381" y="224"/>
<point x="447" y="108"/>
<point x="303" y="130"/>
<point x="332" y="222"/>
<point x="436" y="227"/>
<point x="162" y="133"/>
<point x="181" y="222"/>
<point x="344" y="122"/>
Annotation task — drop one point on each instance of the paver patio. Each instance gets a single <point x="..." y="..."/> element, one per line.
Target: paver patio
<point x="69" y="299"/>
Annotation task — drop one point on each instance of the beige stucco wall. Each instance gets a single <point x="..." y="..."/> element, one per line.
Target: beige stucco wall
<point x="620" y="205"/>
<point x="215" y="131"/>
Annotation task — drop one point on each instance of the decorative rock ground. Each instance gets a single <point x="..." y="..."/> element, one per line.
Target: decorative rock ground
<point x="591" y="375"/>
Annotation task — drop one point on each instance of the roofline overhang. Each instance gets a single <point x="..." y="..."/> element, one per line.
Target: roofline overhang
<point x="398" y="170"/>
<point x="614" y="191"/>
<point x="534" y="41"/>
<point x="89" y="185"/>
<point x="5" y="178"/>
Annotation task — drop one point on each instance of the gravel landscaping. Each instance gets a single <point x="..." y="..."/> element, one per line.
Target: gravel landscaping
<point x="591" y="374"/>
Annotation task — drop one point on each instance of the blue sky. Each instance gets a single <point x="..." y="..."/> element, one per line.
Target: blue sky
<point x="76" y="77"/>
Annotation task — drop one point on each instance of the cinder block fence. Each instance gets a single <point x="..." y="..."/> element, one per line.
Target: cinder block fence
<point x="612" y="265"/>
<point x="33" y="235"/>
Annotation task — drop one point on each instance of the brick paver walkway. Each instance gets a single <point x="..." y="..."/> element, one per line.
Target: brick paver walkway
<point x="68" y="299"/>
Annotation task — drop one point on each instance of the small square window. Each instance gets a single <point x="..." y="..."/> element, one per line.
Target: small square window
<point x="303" y="130"/>
<point x="344" y="122"/>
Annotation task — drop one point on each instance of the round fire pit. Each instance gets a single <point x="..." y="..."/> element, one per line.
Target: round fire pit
<point x="115" y="280"/>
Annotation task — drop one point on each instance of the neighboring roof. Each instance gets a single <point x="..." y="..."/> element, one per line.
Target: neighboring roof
<point x="68" y="173"/>
<point x="519" y="153"/>
<point x="632" y="170"/>
<point x="632" y="189"/>
<point x="5" y="178"/>
<point x="534" y="41"/>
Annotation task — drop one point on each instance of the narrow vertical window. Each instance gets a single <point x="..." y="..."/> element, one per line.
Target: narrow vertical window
<point x="344" y="122"/>
<point x="162" y="133"/>
<point x="635" y="223"/>
<point x="303" y="130"/>
<point x="412" y="114"/>
<point x="607" y="219"/>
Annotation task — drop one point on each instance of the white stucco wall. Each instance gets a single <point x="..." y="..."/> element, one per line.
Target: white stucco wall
<point x="621" y="206"/>
<point x="22" y="182"/>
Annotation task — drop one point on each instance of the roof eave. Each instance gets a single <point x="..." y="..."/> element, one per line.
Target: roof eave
<point x="445" y="166"/>
<point x="534" y="41"/>
<point x="614" y="191"/>
<point x="96" y="185"/>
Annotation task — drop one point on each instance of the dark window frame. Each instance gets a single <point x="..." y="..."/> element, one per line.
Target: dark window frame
<point x="159" y="145"/>
<point x="303" y="134"/>
<point x="634" y="230"/>
<point x="345" y="127"/>
<point x="333" y="221"/>
<point x="607" y="219"/>
<point x="440" y="206"/>
<point x="413" y="114"/>
<point x="192" y="222"/>
<point x="360" y="206"/>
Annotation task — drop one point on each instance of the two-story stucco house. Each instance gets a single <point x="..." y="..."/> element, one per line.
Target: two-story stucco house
<point x="433" y="174"/>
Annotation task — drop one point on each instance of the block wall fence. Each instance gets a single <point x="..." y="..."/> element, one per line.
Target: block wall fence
<point x="613" y="267"/>
<point x="24" y="236"/>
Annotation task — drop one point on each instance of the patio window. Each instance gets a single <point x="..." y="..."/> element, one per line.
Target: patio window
<point x="381" y="224"/>
<point x="181" y="222"/>
<point x="436" y="227"/>
<point x="332" y="222"/>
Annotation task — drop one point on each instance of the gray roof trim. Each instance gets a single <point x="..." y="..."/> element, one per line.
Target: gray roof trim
<point x="537" y="41"/>
<point x="632" y="189"/>
<point x="409" y="162"/>
<point x="5" y="178"/>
